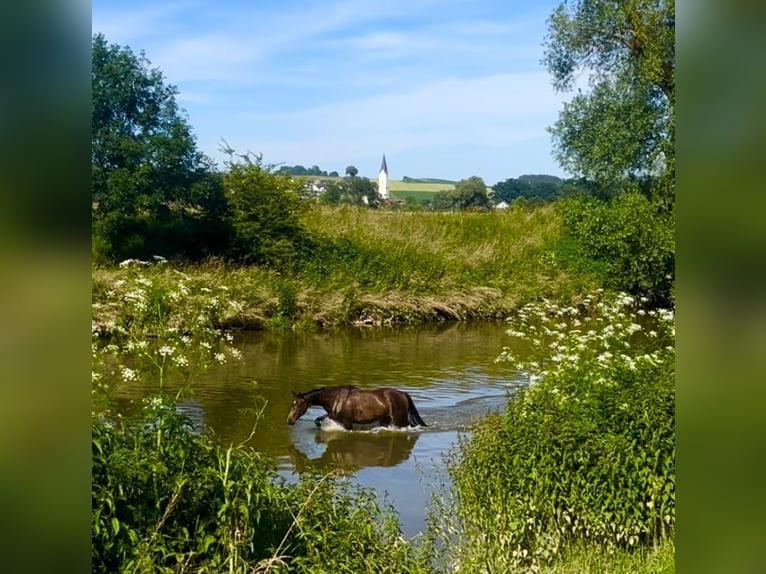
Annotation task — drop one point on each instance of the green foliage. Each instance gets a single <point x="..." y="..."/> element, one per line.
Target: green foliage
<point x="300" y="170"/>
<point x="585" y="455"/>
<point x="471" y="193"/>
<point x="168" y="499"/>
<point x="543" y="187"/>
<point x="613" y="131"/>
<point x="153" y="192"/>
<point x="265" y="214"/>
<point x="626" y="124"/>
<point x="628" y="241"/>
<point x="351" y="171"/>
<point x="468" y="194"/>
<point x="352" y="190"/>
<point x="404" y="266"/>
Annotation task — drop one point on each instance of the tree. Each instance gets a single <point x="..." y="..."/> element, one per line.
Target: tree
<point x="471" y="193"/>
<point x="625" y="126"/>
<point x="147" y="176"/>
<point x="352" y="190"/>
<point x="351" y="171"/>
<point x="544" y="187"/>
<point x="444" y="200"/>
<point x="265" y="211"/>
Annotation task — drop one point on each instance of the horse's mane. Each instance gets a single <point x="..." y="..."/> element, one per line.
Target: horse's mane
<point x="310" y="394"/>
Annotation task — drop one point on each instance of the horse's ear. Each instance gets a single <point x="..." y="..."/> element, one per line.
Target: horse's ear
<point x="296" y="395"/>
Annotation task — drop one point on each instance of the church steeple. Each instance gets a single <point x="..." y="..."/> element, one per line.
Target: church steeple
<point x="383" y="179"/>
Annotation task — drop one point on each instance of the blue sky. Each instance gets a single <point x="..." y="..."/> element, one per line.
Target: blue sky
<point x="446" y="88"/>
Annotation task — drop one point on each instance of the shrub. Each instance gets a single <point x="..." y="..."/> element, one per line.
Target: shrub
<point x="586" y="454"/>
<point x="628" y="241"/>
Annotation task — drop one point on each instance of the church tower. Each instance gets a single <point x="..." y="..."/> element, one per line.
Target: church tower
<point x="383" y="179"/>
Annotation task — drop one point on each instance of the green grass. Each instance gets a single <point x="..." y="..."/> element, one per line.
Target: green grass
<point x="385" y="266"/>
<point x="395" y="185"/>
<point x="594" y="559"/>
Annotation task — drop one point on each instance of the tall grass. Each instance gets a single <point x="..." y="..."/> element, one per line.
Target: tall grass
<point x="387" y="267"/>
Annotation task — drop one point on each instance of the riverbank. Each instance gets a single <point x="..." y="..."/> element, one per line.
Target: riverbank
<point x="378" y="268"/>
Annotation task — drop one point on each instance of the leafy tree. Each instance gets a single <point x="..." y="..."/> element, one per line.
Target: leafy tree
<point x="150" y="185"/>
<point x="445" y="200"/>
<point x="542" y="187"/>
<point x="265" y="209"/>
<point x="625" y="126"/>
<point x="334" y="174"/>
<point x="352" y="190"/>
<point x="351" y="171"/>
<point x="471" y="193"/>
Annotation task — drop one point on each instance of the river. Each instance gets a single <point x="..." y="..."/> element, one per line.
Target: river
<point x="448" y="368"/>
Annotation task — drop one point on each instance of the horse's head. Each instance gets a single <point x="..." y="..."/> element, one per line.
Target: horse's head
<point x="298" y="408"/>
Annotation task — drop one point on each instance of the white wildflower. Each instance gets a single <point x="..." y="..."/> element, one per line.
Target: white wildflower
<point x="166" y="350"/>
<point x="129" y="374"/>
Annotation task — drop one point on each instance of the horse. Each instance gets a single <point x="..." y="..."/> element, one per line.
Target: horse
<point x="348" y="404"/>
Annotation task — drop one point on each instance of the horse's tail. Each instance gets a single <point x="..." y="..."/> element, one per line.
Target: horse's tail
<point x="414" y="415"/>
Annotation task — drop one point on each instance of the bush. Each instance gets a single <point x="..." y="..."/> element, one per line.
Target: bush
<point x="628" y="241"/>
<point x="586" y="454"/>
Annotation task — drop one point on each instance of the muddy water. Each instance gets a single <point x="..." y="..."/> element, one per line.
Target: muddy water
<point x="448" y="369"/>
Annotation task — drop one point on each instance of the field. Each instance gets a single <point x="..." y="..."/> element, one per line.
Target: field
<point x="397" y="185"/>
<point x="417" y="190"/>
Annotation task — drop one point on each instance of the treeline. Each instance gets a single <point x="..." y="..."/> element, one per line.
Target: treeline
<point x="299" y="170"/>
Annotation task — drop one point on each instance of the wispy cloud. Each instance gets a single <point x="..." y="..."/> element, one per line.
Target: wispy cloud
<point x="343" y="80"/>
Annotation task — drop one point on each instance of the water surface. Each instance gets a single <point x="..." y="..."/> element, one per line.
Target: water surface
<point x="448" y="368"/>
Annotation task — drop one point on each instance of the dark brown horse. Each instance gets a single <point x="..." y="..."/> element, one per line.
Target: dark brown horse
<point x="348" y="405"/>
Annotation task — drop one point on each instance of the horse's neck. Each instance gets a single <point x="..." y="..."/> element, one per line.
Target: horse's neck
<point x="322" y="399"/>
<point x="329" y="398"/>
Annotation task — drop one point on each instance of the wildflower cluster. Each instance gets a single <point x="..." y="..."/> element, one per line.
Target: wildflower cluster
<point x="599" y="333"/>
<point x="586" y="452"/>
<point x="156" y="333"/>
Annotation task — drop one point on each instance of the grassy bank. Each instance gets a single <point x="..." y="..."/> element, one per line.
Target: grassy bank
<point x="579" y="470"/>
<point x="375" y="267"/>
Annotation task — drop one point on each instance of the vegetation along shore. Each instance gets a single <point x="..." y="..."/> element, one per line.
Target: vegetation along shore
<point x="575" y="474"/>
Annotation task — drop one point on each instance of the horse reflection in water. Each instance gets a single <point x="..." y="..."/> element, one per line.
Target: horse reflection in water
<point x="352" y="451"/>
<point x="349" y="405"/>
